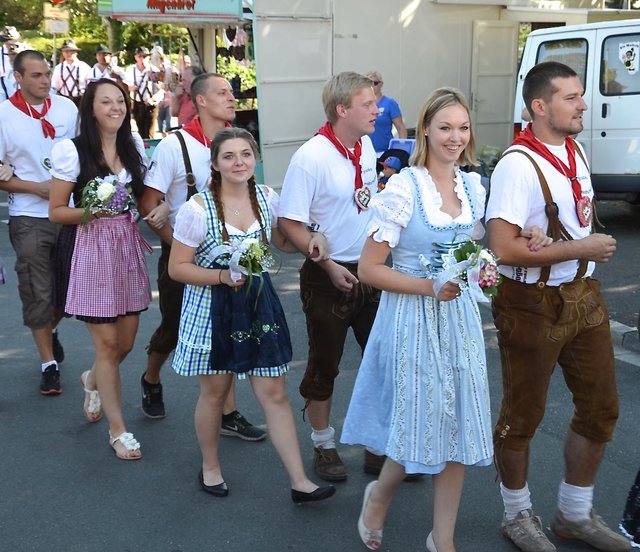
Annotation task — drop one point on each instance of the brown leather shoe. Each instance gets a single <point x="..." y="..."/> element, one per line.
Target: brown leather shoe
<point x="373" y="465"/>
<point x="327" y="464"/>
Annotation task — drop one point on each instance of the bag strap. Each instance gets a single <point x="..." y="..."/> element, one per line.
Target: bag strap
<point x="190" y="178"/>
<point x="556" y="229"/>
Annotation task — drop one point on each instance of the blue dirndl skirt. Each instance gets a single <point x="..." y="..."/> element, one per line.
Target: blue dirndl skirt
<point x="249" y="327"/>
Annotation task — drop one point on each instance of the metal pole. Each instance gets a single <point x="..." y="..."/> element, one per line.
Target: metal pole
<point x="55" y="52"/>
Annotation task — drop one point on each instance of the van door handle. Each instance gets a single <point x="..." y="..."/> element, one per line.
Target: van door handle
<point x="605" y="110"/>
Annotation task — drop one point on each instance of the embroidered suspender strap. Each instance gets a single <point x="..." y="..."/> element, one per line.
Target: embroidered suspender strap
<point x="556" y="230"/>
<point x="75" y="81"/>
<point x="142" y="85"/>
<point x="191" y="180"/>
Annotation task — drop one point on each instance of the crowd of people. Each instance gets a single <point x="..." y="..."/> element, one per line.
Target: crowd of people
<point x="158" y="89"/>
<point x="76" y="173"/>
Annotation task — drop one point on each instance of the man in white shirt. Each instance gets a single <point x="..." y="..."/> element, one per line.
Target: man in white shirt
<point x="10" y="46"/>
<point x="167" y="179"/>
<point x="550" y="310"/>
<point x="103" y="68"/>
<point x="32" y="121"/>
<point x="326" y="189"/>
<point x="142" y="78"/>
<point x="69" y="78"/>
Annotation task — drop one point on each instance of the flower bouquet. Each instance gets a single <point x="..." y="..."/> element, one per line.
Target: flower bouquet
<point x="471" y="264"/>
<point x="106" y="195"/>
<point x="248" y="256"/>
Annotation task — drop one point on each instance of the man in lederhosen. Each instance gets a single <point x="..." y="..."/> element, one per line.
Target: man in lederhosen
<point x="69" y="78"/>
<point x="142" y="85"/>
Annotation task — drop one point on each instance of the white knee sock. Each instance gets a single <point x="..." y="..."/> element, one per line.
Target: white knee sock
<point x="324" y="438"/>
<point x="575" y="503"/>
<point x="516" y="501"/>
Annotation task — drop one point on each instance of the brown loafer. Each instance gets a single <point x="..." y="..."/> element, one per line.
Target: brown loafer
<point x="373" y="465"/>
<point x="327" y="464"/>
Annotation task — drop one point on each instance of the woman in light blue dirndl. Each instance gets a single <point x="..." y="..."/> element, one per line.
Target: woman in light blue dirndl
<point x="421" y="396"/>
<point x="233" y="325"/>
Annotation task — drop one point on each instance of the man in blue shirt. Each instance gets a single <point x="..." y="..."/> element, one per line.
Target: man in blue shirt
<point x="390" y="116"/>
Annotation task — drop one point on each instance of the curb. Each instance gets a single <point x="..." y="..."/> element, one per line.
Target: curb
<point x="625" y="336"/>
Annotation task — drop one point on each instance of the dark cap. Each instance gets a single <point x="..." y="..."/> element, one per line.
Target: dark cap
<point x="69" y="45"/>
<point x="102" y="49"/>
<point x="142" y="51"/>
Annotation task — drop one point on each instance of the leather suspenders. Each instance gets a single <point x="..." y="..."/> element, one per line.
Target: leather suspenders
<point x="191" y="179"/>
<point x="556" y="229"/>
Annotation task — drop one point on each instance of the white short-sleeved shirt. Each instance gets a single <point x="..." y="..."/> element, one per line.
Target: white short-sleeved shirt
<point x="143" y="79"/>
<point x="167" y="172"/>
<point x="65" y="163"/>
<point x="191" y="221"/>
<point x="516" y="197"/>
<point x="318" y="190"/>
<point x="8" y="83"/>
<point x="70" y="79"/>
<point x="97" y="73"/>
<point x="392" y="209"/>
<point x="23" y="145"/>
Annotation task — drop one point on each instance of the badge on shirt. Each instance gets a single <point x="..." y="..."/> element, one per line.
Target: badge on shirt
<point x="362" y="197"/>
<point x="46" y="163"/>
<point x="584" y="208"/>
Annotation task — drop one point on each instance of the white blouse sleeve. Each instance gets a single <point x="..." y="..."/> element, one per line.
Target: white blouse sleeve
<point x="65" y="163"/>
<point x="273" y="199"/>
<point x="191" y="224"/>
<point x="391" y="209"/>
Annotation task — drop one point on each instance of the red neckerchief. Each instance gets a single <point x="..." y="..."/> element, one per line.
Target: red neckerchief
<point x="329" y="134"/>
<point x="527" y="138"/>
<point x="20" y="103"/>
<point x="194" y="128"/>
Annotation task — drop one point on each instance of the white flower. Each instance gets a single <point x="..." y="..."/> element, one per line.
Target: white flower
<point x="104" y="191"/>
<point x="486" y="256"/>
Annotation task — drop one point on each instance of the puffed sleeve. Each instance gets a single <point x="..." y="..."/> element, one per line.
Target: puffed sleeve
<point x="391" y="209"/>
<point x="65" y="164"/>
<point x="273" y="199"/>
<point x="191" y="224"/>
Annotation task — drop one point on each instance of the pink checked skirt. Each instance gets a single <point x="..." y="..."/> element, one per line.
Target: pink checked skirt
<point x="108" y="275"/>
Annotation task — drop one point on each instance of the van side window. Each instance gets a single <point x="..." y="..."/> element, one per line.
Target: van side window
<point x="570" y="51"/>
<point x="620" y="65"/>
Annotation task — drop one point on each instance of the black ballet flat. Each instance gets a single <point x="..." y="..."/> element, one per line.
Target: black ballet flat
<point x="220" y="489"/>
<point x="319" y="494"/>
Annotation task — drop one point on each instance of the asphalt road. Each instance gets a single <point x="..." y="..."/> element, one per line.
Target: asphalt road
<point x="62" y="488"/>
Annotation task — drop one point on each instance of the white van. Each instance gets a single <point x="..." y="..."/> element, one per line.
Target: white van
<point x="606" y="57"/>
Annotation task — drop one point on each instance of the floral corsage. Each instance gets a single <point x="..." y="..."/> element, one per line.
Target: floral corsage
<point x="471" y="264"/>
<point x="107" y="195"/>
<point x="248" y="256"/>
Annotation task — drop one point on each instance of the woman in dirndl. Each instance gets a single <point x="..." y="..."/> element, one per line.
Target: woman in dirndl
<point x="232" y="325"/>
<point x="108" y="282"/>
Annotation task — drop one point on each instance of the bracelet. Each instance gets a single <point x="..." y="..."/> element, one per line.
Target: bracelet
<point x="220" y="277"/>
